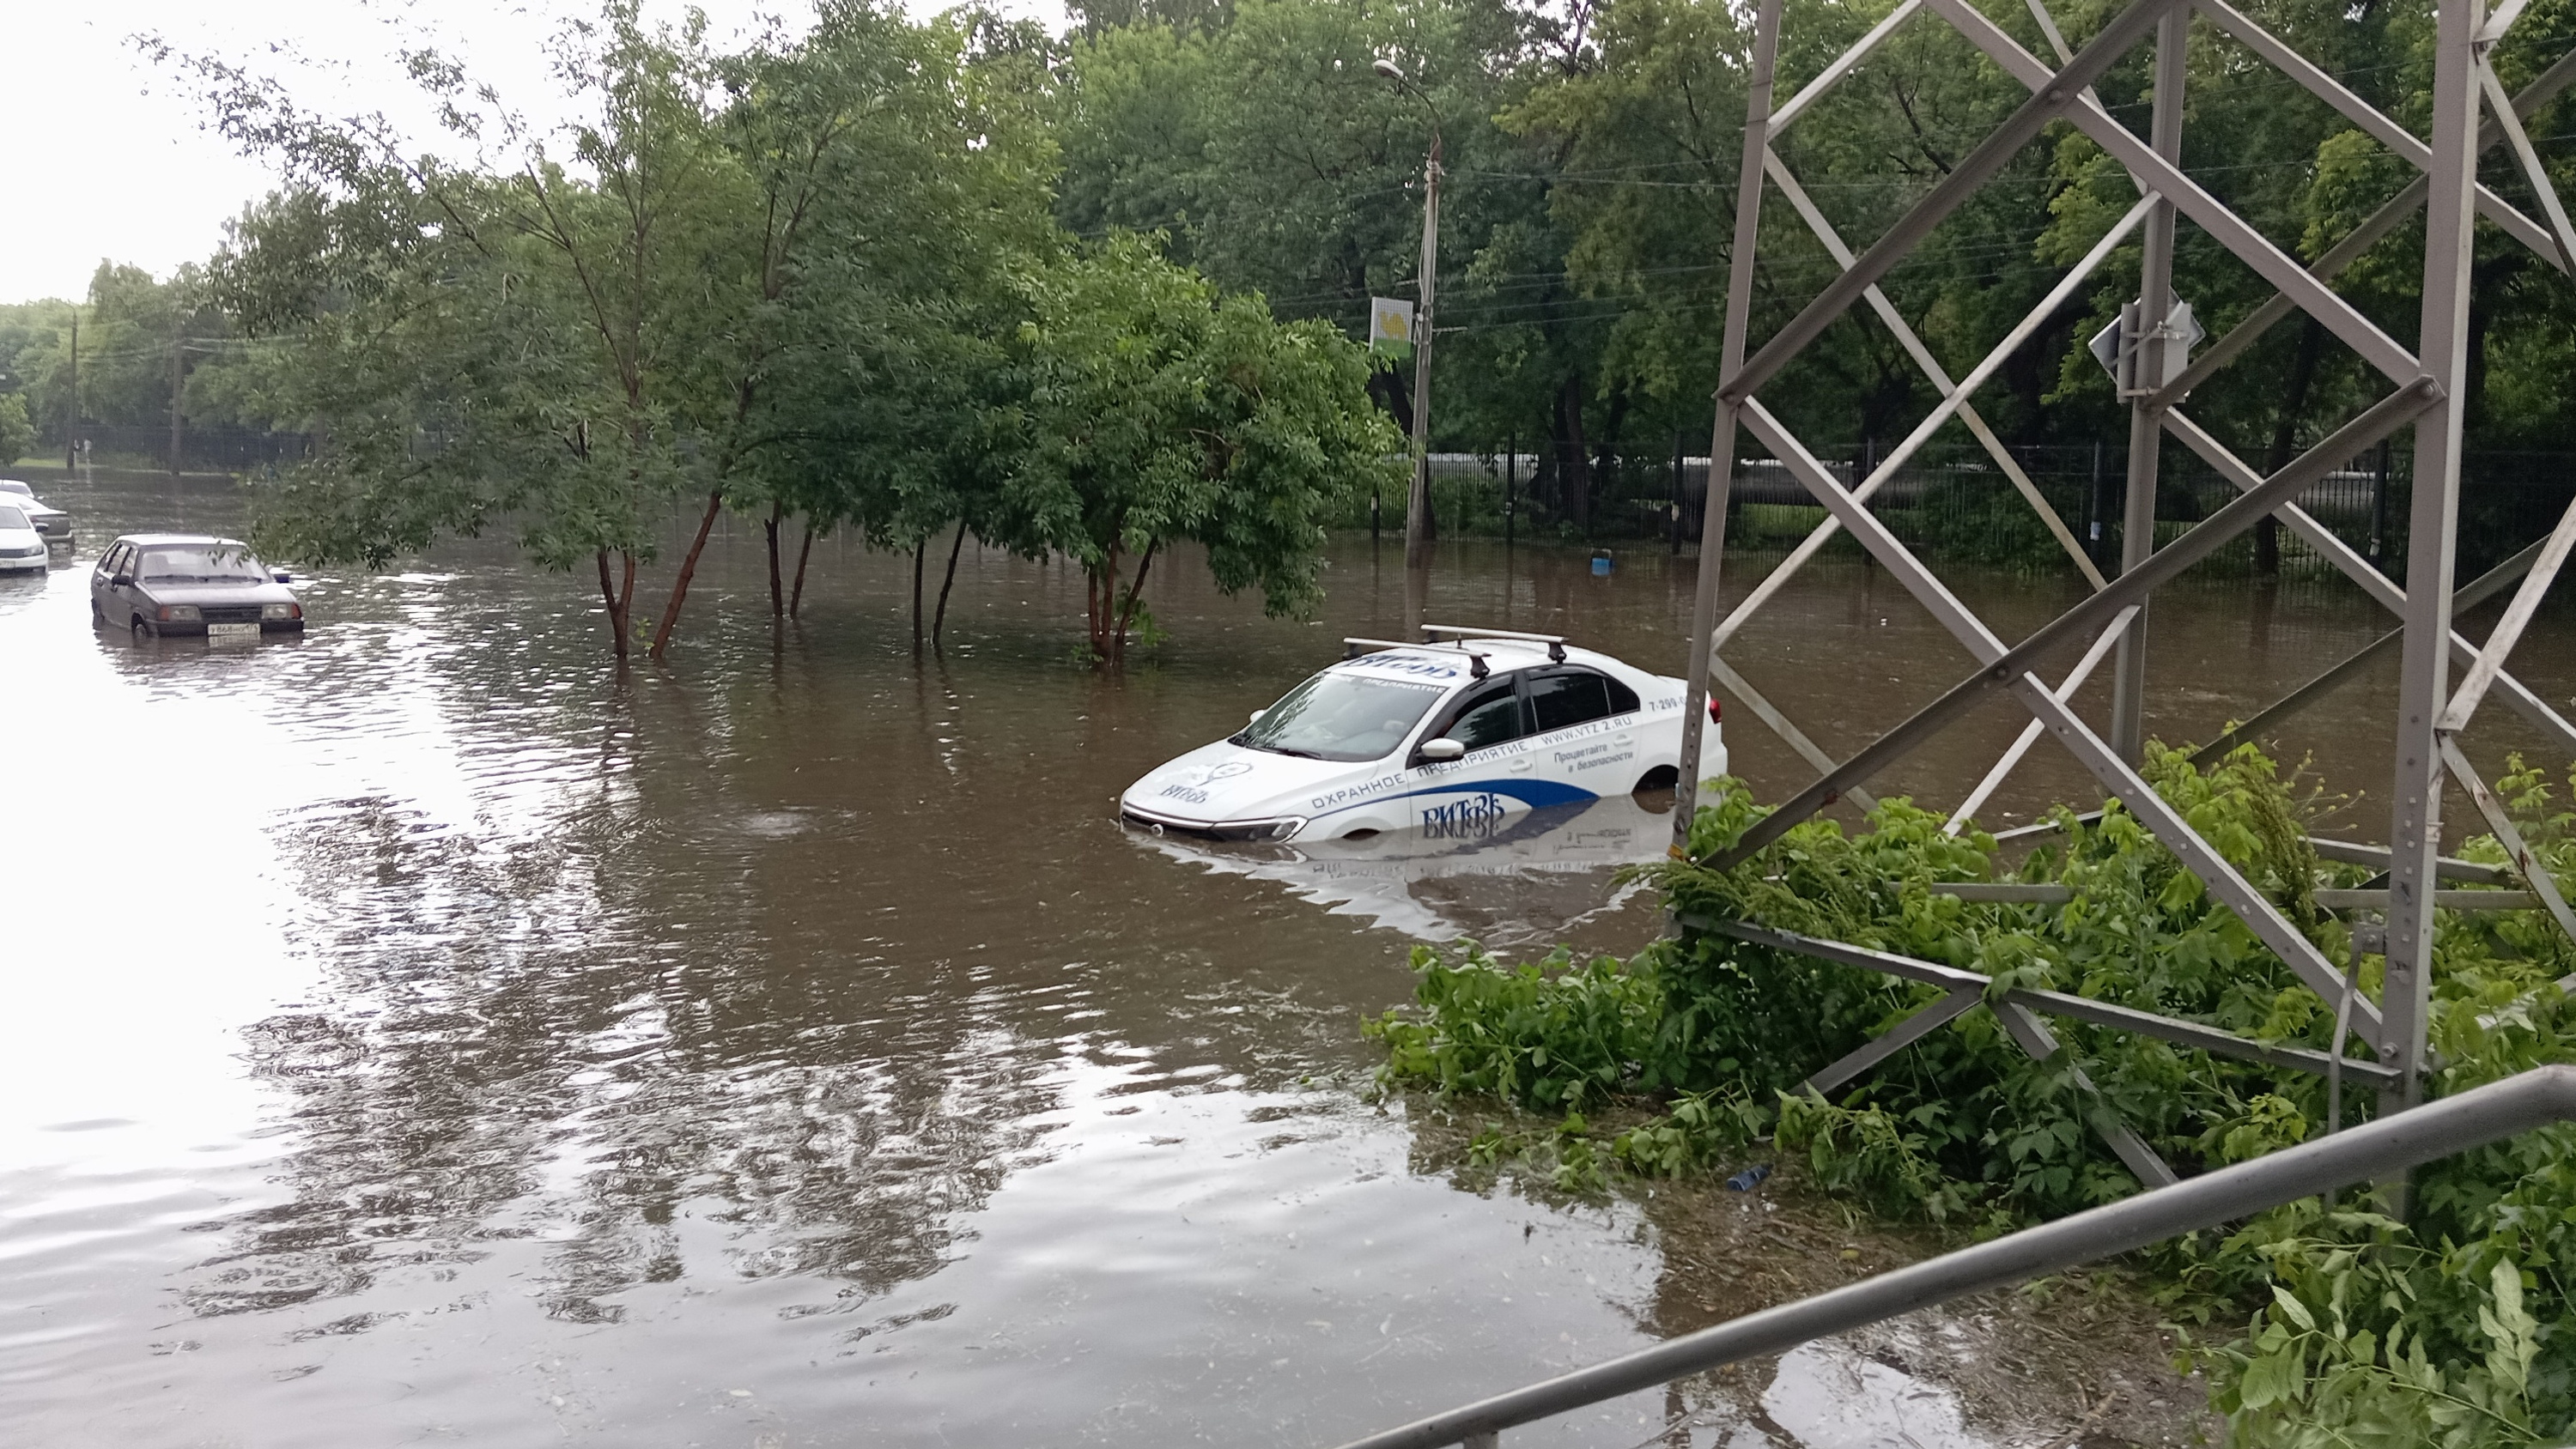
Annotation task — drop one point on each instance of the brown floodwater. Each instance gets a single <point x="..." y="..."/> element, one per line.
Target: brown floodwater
<point x="425" y="1031"/>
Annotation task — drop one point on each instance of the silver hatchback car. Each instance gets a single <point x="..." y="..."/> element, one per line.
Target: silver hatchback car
<point x="154" y="584"/>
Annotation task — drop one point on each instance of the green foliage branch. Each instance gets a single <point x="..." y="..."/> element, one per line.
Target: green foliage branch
<point x="2356" y="1329"/>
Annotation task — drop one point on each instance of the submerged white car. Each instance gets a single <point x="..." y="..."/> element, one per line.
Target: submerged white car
<point x="1452" y="737"/>
<point x="21" y="546"/>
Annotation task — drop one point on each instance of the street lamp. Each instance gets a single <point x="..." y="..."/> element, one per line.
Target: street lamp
<point x="1418" y="520"/>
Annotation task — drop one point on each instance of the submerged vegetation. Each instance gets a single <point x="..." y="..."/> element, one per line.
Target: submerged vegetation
<point x="2322" y="1324"/>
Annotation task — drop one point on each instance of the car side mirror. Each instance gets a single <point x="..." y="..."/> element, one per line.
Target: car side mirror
<point x="1441" y="751"/>
<point x="1256" y="716"/>
<point x="122" y="580"/>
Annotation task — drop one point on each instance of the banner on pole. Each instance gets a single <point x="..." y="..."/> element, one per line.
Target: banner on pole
<point x="1390" y="331"/>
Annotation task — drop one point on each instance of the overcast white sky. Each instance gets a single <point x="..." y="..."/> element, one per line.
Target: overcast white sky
<point x="109" y="159"/>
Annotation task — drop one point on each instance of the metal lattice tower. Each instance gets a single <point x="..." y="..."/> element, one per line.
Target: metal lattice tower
<point x="2444" y="677"/>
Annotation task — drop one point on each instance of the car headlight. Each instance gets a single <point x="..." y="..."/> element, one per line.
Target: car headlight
<point x="281" y="611"/>
<point x="178" y="613"/>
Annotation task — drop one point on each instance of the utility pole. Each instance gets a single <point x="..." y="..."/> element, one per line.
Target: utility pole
<point x="178" y="389"/>
<point x="1419" y="525"/>
<point x="71" y="399"/>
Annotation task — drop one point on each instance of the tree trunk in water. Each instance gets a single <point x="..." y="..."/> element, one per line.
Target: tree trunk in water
<point x="1127" y="613"/>
<point x="1099" y="598"/>
<point x="616" y="605"/>
<point x="688" y="571"/>
<point x="804" y="551"/>
<point x="917" y="550"/>
<point x="2285" y="436"/>
<point x="1573" y="470"/>
<point x="769" y="526"/>
<point x="1605" y="466"/>
<point x="939" y="620"/>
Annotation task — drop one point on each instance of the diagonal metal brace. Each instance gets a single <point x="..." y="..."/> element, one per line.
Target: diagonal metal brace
<point x="2049" y="100"/>
<point x="2468" y="597"/>
<point x="1961" y="1000"/>
<point x="2533" y="870"/>
<point x="2090" y="614"/>
<point x="2107" y="765"/>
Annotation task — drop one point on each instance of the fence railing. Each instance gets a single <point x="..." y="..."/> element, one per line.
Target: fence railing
<point x="2380" y="1149"/>
<point x="232" y="450"/>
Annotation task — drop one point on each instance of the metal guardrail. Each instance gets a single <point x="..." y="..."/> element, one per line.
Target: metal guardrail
<point x="2379" y="1149"/>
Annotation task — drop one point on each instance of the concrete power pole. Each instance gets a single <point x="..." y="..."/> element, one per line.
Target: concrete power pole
<point x="71" y="400"/>
<point x="1419" y="523"/>
<point x="178" y="392"/>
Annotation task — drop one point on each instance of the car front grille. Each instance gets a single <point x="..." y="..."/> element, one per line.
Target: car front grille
<point x="31" y="550"/>
<point x="230" y="614"/>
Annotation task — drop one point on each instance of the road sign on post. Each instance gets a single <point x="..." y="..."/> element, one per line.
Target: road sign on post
<point x="2119" y="346"/>
<point x="1390" y="328"/>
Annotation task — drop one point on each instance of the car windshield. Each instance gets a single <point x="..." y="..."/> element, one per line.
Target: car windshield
<point x="213" y="563"/>
<point x="1342" y="717"/>
<point x="11" y="517"/>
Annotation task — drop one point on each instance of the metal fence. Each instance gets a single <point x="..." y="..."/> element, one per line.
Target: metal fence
<point x="1959" y="504"/>
<point x="222" y="450"/>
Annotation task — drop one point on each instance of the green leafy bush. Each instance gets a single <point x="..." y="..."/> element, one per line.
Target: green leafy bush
<point x="2358" y="1329"/>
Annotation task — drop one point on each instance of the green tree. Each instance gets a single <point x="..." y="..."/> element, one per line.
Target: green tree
<point x="17" y="434"/>
<point x="573" y="336"/>
<point x="1159" y="413"/>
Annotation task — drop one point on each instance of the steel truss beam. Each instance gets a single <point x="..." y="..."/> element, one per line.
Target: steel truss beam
<point x="2426" y="398"/>
<point x="2470" y="596"/>
<point x="2113" y="771"/>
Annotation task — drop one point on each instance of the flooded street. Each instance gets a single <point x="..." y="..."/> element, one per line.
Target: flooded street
<point x="422" y="1032"/>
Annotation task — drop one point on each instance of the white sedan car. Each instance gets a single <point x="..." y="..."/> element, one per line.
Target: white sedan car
<point x="1452" y="738"/>
<point x="21" y="547"/>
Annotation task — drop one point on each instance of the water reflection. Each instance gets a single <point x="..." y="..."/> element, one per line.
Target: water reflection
<point x="1527" y="879"/>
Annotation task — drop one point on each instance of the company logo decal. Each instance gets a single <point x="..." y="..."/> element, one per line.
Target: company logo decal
<point x="1474" y="817"/>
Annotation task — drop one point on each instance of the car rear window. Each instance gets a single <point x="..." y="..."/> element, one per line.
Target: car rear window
<point x="211" y="564"/>
<point x="1564" y="698"/>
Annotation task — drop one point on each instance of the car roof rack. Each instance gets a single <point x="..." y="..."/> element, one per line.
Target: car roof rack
<point x="1476" y="667"/>
<point x="1555" y="642"/>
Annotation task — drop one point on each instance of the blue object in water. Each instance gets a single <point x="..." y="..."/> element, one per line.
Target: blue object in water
<point x="1750" y="1177"/>
<point x="1601" y="564"/>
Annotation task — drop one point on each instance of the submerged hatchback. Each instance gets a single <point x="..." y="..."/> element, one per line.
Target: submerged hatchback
<point x="152" y="584"/>
<point x="1451" y="737"/>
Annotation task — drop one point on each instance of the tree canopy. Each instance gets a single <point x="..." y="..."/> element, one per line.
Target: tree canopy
<point x="834" y="276"/>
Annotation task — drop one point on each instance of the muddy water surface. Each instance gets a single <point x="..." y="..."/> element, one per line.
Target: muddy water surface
<point x="421" y="1031"/>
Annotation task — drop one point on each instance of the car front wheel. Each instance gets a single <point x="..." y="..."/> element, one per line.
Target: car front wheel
<point x="142" y="630"/>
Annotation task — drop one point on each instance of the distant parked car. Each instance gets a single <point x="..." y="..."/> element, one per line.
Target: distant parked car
<point x="21" y="547"/>
<point x="189" y="584"/>
<point x="51" y="522"/>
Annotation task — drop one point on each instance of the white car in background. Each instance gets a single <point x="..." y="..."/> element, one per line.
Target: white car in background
<point x="1451" y="737"/>
<point x="51" y="522"/>
<point x="21" y="547"/>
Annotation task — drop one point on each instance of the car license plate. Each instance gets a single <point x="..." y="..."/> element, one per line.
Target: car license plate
<point x="222" y="633"/>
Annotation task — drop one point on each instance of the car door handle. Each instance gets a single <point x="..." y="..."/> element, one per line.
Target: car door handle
<point x="1520" y="765"/>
